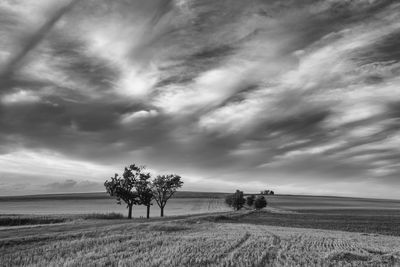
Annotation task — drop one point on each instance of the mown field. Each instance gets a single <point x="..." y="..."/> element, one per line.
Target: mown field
<point x="291" y="231"/>
<point x="192" y="241"/>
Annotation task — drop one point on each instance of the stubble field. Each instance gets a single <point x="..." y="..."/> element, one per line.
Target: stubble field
<point x="193" y="242"/>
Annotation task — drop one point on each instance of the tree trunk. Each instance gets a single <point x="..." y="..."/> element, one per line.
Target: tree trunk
<point x="130" y="211"/>
<point x="162" y="211"/>
<point x="148" y="212"/>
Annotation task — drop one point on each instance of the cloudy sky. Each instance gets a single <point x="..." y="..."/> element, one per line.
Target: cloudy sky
<point x="296" y="96"/>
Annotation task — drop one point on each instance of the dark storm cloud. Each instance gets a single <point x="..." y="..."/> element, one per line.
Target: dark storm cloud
<point x="66" y="126"/>
<point x="284" y="92"/>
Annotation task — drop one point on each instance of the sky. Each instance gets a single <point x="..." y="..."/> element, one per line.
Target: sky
<point x="302" y="97"/>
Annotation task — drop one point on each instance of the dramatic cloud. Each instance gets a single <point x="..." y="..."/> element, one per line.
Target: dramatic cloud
<point x="299" y="96"/>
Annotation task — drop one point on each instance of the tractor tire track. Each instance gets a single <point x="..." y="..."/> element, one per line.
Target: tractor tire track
<point x="271" y="255"/>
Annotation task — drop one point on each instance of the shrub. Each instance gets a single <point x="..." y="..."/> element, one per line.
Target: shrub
<point x="260" y="202"/>
<point x="250" y="200"/>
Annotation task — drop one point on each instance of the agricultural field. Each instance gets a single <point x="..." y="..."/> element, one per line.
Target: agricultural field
<point x="186" y="202"/>
<point x="364" y="221"/>
<point x="291" y="231"/>
<point x="193" y="241"/>
<point x="182" y="204"/>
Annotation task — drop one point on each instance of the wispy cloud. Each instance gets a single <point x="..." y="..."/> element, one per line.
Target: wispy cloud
<point x="291" y="94"/>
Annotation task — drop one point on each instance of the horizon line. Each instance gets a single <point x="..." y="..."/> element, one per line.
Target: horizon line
<point x="98" y="192"/>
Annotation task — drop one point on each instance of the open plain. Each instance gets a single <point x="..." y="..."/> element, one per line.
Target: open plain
<point x="275" y="236"/>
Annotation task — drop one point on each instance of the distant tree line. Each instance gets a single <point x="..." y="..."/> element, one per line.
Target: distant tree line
<point x="237" y="200"/>
<point x="136" y="187"/>
<point x="267" y="192"/>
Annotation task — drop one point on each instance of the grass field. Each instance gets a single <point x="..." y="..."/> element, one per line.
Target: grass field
<point x="100" y="203"/>
<point x="358" y="221"/>
<point x="291" y="231"/>
<point x="103" y="195"/>
<point x="18" y="220"/>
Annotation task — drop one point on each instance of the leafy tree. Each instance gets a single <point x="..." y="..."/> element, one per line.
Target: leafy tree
<point x="142" y="184"/>
<point x="122" y="188"/>
<point x="236" y="200"/>
<point x="164" y="187"/>
<point x="250" y="200"/>
<point x="260" y="202"/>
<point x="271" y="192"/>
<point x="144" y="190"/>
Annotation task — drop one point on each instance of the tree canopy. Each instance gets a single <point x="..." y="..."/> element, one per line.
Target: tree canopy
<point x="260" y="202"/>
<point x="124" y="188"/>
<point x="164" y="187"/>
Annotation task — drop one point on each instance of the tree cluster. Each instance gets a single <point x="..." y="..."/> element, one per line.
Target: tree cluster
<point x="267" y="192"/>
<point x="136" y="187"/>
<point x="237" y="201"/>
<point x="258" y="202"/>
